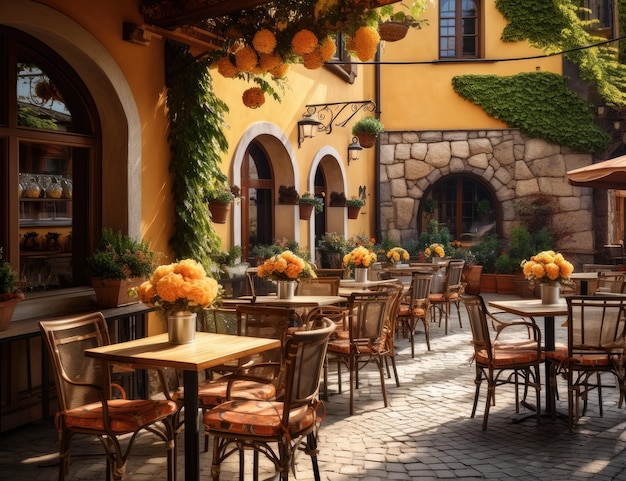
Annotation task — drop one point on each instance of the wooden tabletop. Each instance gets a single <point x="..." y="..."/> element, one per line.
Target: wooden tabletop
<point x="295" y="301"/>
<point x="208" y="350"/>
<point x="531" y="307"/>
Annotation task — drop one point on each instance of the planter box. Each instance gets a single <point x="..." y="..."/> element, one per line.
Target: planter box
<point x="472" y="278"/>
<point x="505" y="283"/>
<point x="114" y="293"/>
<point x="488" y="283"/>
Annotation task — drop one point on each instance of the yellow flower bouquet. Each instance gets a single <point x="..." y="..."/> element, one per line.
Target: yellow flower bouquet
<point x="359" y="257"/>
<point x="286" y="266"/>
<point x="435" y="250"/>
<point x="178" y="287"/>
<point x="547" y="266"/>
<point x="397" y="254"/>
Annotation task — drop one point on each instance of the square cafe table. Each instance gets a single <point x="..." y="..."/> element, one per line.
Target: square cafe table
<point x="208" y="350"/>
<point x="532" y="308"/>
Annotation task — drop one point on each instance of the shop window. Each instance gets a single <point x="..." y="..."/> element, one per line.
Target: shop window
<point x="459" y="28"/>
<point x="48" y="162"/>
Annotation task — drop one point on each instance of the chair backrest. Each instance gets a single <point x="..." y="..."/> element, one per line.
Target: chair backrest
<point x="259" y="286"/>
<point x="367" y="315"/>
<point x="394" y="289"/>
<point x="304" y="361"/>
<point x="266" y="322"/>
<point x="610" y="282"/>
<point x="323" y="286"/>
<point x="476" y="312"/>
<point x="596" y="325"/>
<point x="220" y="320"/>
<point x="420" y="289"/>
<point x="337" y="314"/>
<point x="330" y="272"/>
<point x="75" y="374"/>
<point x="453" y="276"/>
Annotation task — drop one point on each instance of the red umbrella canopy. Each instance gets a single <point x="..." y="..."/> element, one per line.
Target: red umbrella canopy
<point x="609" y="174"/>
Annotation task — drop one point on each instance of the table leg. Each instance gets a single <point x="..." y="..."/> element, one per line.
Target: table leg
<point x="192" y="432"/>
<point x="583" y="287"/>
<point x="549" y="344"/>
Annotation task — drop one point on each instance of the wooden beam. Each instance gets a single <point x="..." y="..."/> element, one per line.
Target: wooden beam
<point x="166" y="13"/>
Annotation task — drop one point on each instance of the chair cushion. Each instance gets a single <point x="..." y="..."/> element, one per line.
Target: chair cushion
<point x="214" y="392"/>
<point x="582" y="360"/>
<point x="437" y="297"/>
<point x="125" y="415"/>
<point x="405" y="311"/>
<point x="343" y="346"/>
<point x="257" y="418"/>
<point x="503" y="357"/>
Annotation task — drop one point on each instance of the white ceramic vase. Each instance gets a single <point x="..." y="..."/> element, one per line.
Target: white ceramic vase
<point x="286" y="289"/>
<point x="181" y="327"/>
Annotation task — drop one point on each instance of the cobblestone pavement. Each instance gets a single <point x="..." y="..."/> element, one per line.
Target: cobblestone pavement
<point x="426" y="432"/>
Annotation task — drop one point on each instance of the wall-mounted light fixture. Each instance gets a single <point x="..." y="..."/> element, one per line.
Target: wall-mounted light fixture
<point x="354" y="150"/>
<point x="337" y="113"/>
<point x="307" y="126"/>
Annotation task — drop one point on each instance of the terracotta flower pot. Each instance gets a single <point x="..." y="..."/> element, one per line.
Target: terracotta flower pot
<point x="353" y="212"/>
<point x="114" y="292"/>
<point x="305" y="211"/>
<point x="219" y="212"/>
<point x="366" y="139"/>
<point x="6" y="311"/>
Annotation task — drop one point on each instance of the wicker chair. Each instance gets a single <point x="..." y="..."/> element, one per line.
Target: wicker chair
<point x="501" y="362"/>
<point x="450" y="295"/>
<point x="86" y="402"/>
<point x="416" y="307"/>
<point x="292" y="423"/>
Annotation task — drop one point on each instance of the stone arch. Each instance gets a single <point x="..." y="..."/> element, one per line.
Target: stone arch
<point x="119" y="117"/>
<point x="283" y="159"/>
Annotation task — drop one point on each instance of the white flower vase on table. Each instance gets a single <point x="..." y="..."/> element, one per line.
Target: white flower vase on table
<point x="361" y="274"/>
<point x="181" y="327"/>
<point x="549" y="269"/>
<point x="550" y="292"/>
<point x="286" y="289"/>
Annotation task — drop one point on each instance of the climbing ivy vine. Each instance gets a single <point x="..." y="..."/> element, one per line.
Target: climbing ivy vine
<point x="539" y="104"/>
<point x="556" y="26"/>
<point x="196" y="141"/>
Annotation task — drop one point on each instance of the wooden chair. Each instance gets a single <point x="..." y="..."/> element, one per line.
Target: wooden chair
<point x="501" y="362"/>
<point x="366" y="321"/>
<point x="322" y="286"/>
<point x="416" y="307"/>
<point x="86" y="401"/>
<point x="291" y="423"/>
<point x="596" y="332"/>
<point x="395" y="289"/>
<point x="254" y="377"/>
<point x="451" y="290"/>
<point x="610" y="282"/>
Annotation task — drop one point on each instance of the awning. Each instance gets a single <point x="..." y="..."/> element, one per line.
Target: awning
<point x="608" y="174"/>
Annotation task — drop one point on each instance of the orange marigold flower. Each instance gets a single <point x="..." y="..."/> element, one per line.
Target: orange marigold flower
<point x="538" y="271"/>
<point x="253" y="97"/>
<point x="312" y="60"/>
<point x="190" y="269"/>
<point x="327" y="49"/>
<point x="269" y="61"/>
<point x="280" y="71"/>
<point x="304" y="41"/>
<point x="246" y="58"/>
<point x="264" y="41"/>
<point x="365" y="42"/>
<point x="552" y="271"/>
<point x="168" y="287"/>
<point x="146" y="292"/>
<point x="226" y="68"/>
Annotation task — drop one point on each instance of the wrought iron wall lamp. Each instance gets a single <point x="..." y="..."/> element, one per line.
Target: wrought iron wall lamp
<point x="354" y="150"/>
<point x="307" y="126"/>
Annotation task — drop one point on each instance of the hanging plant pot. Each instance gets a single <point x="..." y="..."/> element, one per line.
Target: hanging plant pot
<point x="366" y="139"/>
<point x="305" y="211"/>
<point x="219" y="212"/>
<point x="353" y="212"/>
<point x="392" y="31"/>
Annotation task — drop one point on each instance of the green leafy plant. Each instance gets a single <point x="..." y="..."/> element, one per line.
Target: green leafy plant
<point x="435" y="235"/>
<point x="505" y="264"/>
<point x="355" y="202"/>
<point x="224" y="195"/>
<point x="369" y="125"/>
<point x="8" y="279"/>
<point x="309" y="199"/>
<point x="120" y="257"/>
<point x="227" y="258"/>
<point x="487" y="252"/>
<point x="333" y="242"/>
<point x="407" y="15"/>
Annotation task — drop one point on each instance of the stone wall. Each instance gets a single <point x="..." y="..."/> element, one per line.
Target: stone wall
<point x="514" y="166"/>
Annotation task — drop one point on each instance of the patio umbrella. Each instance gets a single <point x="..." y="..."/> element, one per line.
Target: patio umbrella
<point x="609" y="174"/>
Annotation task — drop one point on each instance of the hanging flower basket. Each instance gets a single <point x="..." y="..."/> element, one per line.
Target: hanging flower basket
<point x="353" y="212"/>
<point x="366" y="139"/>
<point x="219" y="212"/>
<point x="305" y="211"/>
<point x="392" y="31"/>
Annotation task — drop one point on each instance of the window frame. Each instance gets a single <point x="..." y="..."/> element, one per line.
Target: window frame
<point x="459" y="35"/>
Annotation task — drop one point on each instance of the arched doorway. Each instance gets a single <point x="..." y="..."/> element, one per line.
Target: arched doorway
<point x="463" y="203"/>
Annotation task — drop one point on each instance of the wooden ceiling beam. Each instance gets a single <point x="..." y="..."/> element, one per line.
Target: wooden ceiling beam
<point x="169" y="13"/>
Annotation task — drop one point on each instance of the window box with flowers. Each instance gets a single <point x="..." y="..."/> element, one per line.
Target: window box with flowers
<point x="118" y="265"/>
<point x="307" y="203"/>
<point x="354" y="206"/>
<point x="10" y="295"/>
<point x="219" y="201"/>
<point x="180" y="290"/>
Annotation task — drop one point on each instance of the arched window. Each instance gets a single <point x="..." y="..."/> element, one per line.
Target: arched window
<point x="49" y="145"/>
<point x="459" y="29"/>
<point x="257" y="187"/>
<point x="462" y="203"/>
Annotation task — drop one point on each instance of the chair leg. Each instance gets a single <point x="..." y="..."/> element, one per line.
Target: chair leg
<point x="351" y="368"/>
<point x="311" y="450"/>
<point x="379" y="361"/>
<point x="477" y="381"/>
<point x="426" y="331"/>
<point x="395" y="370"/>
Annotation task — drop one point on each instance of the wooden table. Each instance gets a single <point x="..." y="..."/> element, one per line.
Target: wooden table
<point x="348" y="286"/>
<point x="208" y="350"/>
<point x="295" y="301"/>
<point x="532" y="308"/>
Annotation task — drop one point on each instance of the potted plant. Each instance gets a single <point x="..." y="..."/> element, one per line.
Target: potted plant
<point x="337" y="199"/>
<point x="332" y="247"/>
<point x="118" y="265"/>
<point x="367" y="130"/>
<point x="471" y="269"/>
<point x="486" y="254"/>
<point x="10" y="295"/>
<point x="288" y="195"/>
<point x="219" y="201"/>
<point x="354" y="206"/>
<point x="307" y="203"/>
<point x="394" y="25"/>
